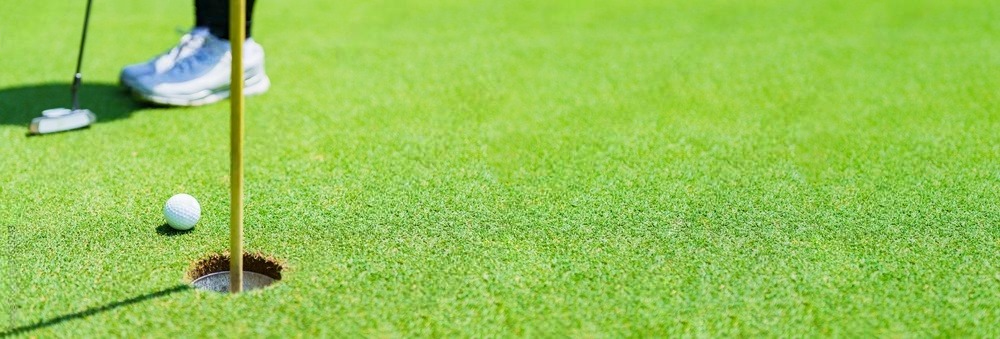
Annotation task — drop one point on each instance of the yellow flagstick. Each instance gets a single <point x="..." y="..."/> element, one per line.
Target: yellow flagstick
<point x="237" y="34"/>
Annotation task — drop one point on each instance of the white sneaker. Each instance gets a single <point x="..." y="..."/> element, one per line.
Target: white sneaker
<point x="203" y="77"/>
<point x="190" y="42"/>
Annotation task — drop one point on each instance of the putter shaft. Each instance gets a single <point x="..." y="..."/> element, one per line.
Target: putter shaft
<point x="78" y="76"/>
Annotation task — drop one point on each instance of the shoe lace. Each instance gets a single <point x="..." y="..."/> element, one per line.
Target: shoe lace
<point x="188" y="41"/>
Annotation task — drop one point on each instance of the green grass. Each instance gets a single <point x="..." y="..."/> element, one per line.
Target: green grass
<point x="523" y="168"/>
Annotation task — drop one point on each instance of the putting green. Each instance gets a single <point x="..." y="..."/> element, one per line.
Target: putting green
<point x="521" y="168"/>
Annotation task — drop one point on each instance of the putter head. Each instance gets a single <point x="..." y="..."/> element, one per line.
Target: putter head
<point x="61" y="119"/>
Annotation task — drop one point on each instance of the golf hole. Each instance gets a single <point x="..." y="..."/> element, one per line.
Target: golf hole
<point x="212" y="272"/>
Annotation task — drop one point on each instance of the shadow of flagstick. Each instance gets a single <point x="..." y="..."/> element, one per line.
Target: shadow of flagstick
<point x="92" y="311"/>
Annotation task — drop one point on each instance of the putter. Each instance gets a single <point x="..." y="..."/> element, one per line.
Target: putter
<point x="64" y="119"/>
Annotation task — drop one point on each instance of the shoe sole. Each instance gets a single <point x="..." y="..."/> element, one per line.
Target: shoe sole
<point x="254" y="85"/>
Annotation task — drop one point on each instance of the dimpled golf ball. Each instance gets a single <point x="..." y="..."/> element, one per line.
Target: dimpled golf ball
<point x="182" y="212"/>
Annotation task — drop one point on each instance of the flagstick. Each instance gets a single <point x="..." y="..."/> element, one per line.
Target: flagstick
<point x="237" y="34"/>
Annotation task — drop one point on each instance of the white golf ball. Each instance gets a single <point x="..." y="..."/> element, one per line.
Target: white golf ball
<point x="182" y="212"/>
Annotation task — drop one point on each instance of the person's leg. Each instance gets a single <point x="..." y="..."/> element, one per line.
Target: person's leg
<point x="214" y="14"/>
<point x="200" y="19"/>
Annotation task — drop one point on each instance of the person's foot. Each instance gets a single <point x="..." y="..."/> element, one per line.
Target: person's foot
<point x="190" y="42"/>
<point x="204" y="76"/>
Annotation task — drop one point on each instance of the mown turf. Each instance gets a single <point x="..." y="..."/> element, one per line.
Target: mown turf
<point x="523" y="168"/>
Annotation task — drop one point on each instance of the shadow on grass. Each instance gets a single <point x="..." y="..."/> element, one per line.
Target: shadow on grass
<point x="20" y="104"/>
<point x="92" y="311"/>
<point x="166" y="230"/>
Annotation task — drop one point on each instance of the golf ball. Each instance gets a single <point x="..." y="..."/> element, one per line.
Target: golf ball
<point x="182" y="211"/>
